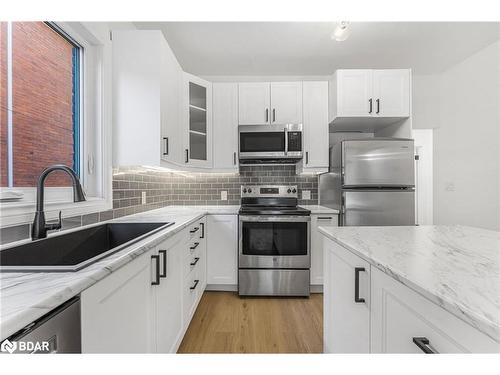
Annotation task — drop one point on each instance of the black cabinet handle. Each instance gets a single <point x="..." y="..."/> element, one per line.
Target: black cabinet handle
<point x="378" y="106"/>
<point x="157" y="270"/>
<point x="195" y="261"/>
<point x="234" y="158"/>
<point x="424" y="345"/>
<point x="371" y="105"/>
<point x="194" y="246"/>
<point x="267" y="114"/>
<point x="307" y="157"/>
<point x="195" y="285"/>
<point x="164" y="253"/>
<point x="325" y="218"/>
<point x="202" y="235"/>
<point x="187" y="156"/>
<point x="194" y="230"/>
<point x="166" y="146"/>
<point x="357" y="270"/>
<point x="274" y="114"/>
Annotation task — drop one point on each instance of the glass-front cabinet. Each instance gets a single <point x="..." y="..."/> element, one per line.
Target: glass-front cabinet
<point x="198" y="150"/>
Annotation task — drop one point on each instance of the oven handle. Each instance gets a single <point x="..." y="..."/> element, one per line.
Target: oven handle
<point x="267" y="218"/>
<point x="286" y="141"/>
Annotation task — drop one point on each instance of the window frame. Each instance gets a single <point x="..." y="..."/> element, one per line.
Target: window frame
<point x="95" y="133"/>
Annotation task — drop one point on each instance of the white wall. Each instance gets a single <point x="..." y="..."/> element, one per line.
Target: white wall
<point x="467" y="139"/>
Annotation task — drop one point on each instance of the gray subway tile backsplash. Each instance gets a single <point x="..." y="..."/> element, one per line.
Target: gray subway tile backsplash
<point x="170" y="188"/>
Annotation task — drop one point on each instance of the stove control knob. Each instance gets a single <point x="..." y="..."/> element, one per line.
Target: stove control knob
<point x="289" y="191"/>
<point x="244" y="190"/>
<point x="294" y="190"/>
<point x="249" y="190"/>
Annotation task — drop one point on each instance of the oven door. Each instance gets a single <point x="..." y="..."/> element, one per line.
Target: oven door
<point x="274" y="241"/>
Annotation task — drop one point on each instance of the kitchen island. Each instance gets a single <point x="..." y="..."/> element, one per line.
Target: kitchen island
<point x="453" y="270"/>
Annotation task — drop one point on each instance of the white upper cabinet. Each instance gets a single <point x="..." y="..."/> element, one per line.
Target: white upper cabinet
<point x="353" y="93"/>
<point x="198" y="121"/>
<point x="225" y="126"/>
<point x="315" y="130"/>
<point x="137" y="93"/>
<point x="366" y="99"/>
<point x="276" y="103"/>
<point x="286" y="103"/>
<point x="171" y="132"/>
<point x="254" y="103"/>
<point x="391" y="92"/>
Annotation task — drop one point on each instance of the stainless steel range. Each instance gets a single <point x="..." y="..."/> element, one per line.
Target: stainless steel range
<point x="274" y="242"/>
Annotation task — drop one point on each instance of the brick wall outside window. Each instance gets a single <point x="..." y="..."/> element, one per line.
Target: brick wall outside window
<point x="42" y="102"/>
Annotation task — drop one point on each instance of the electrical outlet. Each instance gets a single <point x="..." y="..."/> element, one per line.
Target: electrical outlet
<point x="223" y="195"/>
<point x="143" y="197"/>
<point x="449" y="186"/>
<point x="306" y="195"/>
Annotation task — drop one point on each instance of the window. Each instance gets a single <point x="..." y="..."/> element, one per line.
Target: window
<point x="41" y="103"/>
<point x="55" y="107"/>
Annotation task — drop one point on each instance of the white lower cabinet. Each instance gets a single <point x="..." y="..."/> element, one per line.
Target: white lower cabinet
<point x="117" y="313"/>
<point x="346" y="290"/>
<point x="222" y="253"/>
<point x="379" y="314"/>
<point x="403" y="321"/>
<point x="147" y="305"/>
<point x="319" y="220"/>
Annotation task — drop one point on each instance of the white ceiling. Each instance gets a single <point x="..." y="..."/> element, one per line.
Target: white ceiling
<point x="305" y="48"/>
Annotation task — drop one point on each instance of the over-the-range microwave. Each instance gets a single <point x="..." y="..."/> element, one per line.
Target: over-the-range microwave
<point x="263" y="144"/>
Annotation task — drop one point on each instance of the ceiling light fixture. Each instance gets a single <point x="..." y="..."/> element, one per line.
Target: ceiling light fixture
<point x="341" y="32"/>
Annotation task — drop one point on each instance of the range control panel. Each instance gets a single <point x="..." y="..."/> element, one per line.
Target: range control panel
<point x="269" y="191"/>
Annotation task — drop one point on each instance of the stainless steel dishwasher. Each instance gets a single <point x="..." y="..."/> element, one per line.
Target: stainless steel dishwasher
<point x="57" y="332"/>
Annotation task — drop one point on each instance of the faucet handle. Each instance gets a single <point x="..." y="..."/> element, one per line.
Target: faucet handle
<point x="55" y="224"/>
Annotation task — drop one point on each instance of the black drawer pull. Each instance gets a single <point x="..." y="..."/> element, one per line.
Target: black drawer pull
<point x="195" y="261"/>
<point x="357" y="270"/>
<point x="164" y="253"/>
<point x="194" y="230"/>
<point x="325" y="218"/>
<point x="194" y="246"/>
<point x="157" y="270"/>
<point x="424" y="344"/>
<point x="195" y="285"/>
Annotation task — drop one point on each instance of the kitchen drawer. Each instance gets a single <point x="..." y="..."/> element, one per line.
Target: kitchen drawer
<point x="192" y="287"/>
<point x="192" y="262"/>
<point x="399" y="315"/>
<point x="194" y="231"/>
<point x="192" y="247"/>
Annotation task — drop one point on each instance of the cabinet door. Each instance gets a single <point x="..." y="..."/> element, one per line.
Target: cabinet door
<point x="171" y="136"/>
<point x="315" y="124"/>
<point x="286" y="103"/>
<point x="324" y="220"/>
<point x="198" y="95"/>
<point x="222" y="249"/>
<point x="391" y="92"/>
<point x="399" y="315"/>
<point x="346" y="308"/>
<point x="225" y="125"/>
<point x="254" y="103"/>
<point x="354" y="92"/>
<point x="168" y="296"/>
<point x="117" y="313"/>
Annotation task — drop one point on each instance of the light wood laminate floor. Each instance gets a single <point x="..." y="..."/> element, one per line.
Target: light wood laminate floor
<point x="226" y="323"/>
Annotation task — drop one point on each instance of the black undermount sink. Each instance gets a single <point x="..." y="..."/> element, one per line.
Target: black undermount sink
<point x="75" y="250"/>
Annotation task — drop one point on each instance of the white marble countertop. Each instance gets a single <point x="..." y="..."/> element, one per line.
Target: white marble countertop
<point x="27" y="296"/>
<point x="456" y="267"/>
<point x="317" y="209"/>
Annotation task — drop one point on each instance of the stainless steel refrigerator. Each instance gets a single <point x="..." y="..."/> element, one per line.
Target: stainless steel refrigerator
<point x="371" y="182"/>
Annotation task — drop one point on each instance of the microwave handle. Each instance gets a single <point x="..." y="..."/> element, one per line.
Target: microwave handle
<point x="286" y="141"/>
